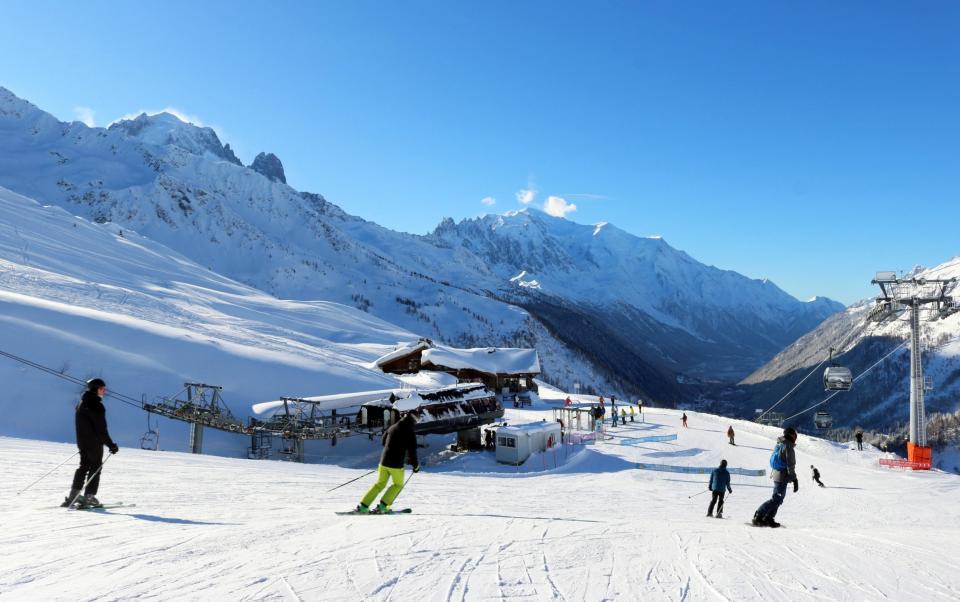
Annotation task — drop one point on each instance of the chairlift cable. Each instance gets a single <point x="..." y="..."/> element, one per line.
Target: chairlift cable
<point x="118" y="396"/>
<point x="859" y="376"/>
<point x="795" y="387"/>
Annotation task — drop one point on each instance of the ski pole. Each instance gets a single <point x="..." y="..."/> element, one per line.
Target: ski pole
<point x="90" y="478"/>
<point x="49" y="473"/>
<point x="696" y="494"/>
<point x="404" y="485"/>
<point x="352" y="480"/>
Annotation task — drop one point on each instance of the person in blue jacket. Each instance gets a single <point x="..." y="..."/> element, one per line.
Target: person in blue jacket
<point x="719" y="485"/>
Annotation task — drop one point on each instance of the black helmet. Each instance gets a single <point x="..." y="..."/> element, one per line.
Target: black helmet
<point x="790" y="433"/>
<point x="95" y="383"/>
<point x="723" y="463"/>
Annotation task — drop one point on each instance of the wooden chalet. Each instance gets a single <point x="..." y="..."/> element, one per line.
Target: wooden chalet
<point x="503" y="370"/>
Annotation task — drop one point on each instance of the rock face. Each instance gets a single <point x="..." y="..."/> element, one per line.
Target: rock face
<point x="269" y="165"/>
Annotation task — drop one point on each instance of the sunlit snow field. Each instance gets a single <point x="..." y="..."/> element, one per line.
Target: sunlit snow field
<point x="593" y="528"/>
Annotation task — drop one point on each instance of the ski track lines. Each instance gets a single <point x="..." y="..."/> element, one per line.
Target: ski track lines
<point x="243" y="530"/>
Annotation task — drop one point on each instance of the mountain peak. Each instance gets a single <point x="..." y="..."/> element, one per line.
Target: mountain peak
<point x="270" y="166"/>
<point x="166" y="128"/>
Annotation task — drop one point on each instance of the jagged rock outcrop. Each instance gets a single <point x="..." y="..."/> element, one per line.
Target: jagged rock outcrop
<point x="270" y="166"/>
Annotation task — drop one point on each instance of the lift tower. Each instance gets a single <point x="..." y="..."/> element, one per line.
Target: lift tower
<point x="915" y="295"/>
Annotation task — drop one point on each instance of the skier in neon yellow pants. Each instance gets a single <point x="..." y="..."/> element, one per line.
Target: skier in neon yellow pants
<point x="399" y="441"/>
<point x="384" y="475"/>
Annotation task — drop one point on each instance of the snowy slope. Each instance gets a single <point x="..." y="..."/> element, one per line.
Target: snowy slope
<point x="881" y="398"/>
<point x="96" y="300"/>
<point x="594" y="528"/>
<point x="177" y="184"/>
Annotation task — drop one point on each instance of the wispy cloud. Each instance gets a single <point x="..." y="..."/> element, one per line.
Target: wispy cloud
<point x="558" y="206"/>
<point x="85" y="115"/>
<point x="526" y="195"/>
<point x="488" y="201"/>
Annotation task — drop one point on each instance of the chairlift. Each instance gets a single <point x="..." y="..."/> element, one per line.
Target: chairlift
<point x="823" y="420"/>
<point x="150" y="439"/>
<point x="837" y="378"/>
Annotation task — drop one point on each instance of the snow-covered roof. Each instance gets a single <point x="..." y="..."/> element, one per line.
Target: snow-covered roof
<point x="530" y="427"/>
<point x="403" y="349"/>
<point x="493" y="360"/>
<point x="268" y="409"/>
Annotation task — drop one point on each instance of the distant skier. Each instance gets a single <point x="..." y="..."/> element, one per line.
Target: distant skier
<point x="719" y="481"/>
<point x="684" y="420"/>
<point x="730" y="434"/>
<point x="816" y="475"/>
<point x="90" y="420"/>
<point x="567" y="401"/>
<point x="613" y="410"/>
<point x="859" y="437"/>
<point x="398" y="441"/>
<point x="783" y="462"/>
<point x="623" y="415"/>
<point x="631" y="414"/>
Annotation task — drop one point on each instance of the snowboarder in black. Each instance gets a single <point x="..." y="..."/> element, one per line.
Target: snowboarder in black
<point x="783" y="463"/>
<point x="684" y="419"/>
<point x="91" y="425"/>
<point x="730" y="434"/>
<point x="719" y="481"/>
<point x="859" y="437"/>
<point x="816" y="475"/>
<point x="399" y="441"/>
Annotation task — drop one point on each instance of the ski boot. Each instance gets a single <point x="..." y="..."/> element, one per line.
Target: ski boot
<point x="709" y="514"/>
<point x="381" y="509"/>
<point x="759" y="521"/>
<point x="72" y="498"/>
<point x="769" y="522"/>
<point x="719" y="514"/>
<point x="362" y="508"/>
<point x="88" y="501"/>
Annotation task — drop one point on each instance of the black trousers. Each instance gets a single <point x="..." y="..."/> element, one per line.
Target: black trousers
<point x="718" y="501"/>
<point x="90" y="460"/>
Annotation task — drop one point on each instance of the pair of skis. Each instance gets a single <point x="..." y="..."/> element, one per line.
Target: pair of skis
<point x="375" y="513"/>
<point x="108" y="506"/>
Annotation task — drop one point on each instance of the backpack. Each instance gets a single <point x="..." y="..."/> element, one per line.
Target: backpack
<point x="776" y="459"/>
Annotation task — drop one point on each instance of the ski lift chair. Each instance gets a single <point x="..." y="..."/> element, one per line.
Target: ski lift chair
<point x="823" y="420"/>
<point x="837" y="378"/>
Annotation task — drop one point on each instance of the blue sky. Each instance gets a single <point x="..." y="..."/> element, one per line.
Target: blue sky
<point x="811" y="143"/>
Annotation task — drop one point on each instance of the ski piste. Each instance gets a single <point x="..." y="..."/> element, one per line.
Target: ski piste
<point x="375" y="513"/>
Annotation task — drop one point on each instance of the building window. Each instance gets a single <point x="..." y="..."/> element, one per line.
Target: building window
<point x="506" y="442"/>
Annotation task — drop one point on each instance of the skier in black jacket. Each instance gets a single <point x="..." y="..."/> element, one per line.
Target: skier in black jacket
<point x="92" y="435"/>
<point x="399" y="441"/>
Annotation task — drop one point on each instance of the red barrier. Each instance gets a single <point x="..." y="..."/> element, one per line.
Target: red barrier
<point x="898" y="463"/>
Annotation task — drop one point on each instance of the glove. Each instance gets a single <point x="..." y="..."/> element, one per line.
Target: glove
<point x="796" y="484"/>
<point x="416" y="468"/>
<point x="730" y="490"/>
<point x="113" y="447"/>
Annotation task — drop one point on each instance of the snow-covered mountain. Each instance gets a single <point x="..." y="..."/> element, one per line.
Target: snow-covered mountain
<point x="605" y="308"/>
<point x="87" y="300"/>
<point x="880" y="398"/>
